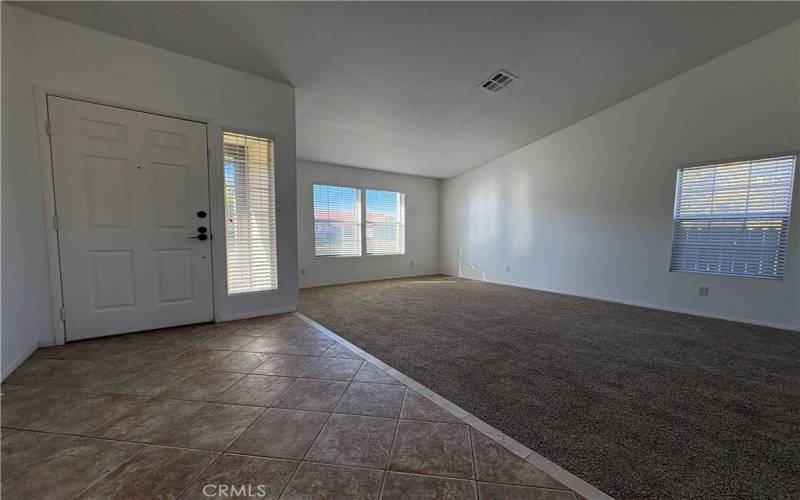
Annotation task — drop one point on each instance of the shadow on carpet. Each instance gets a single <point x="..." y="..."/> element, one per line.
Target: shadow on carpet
<point x="638" y="402"/>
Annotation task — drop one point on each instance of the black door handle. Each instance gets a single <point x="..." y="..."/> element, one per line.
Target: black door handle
<point x="201" y="237"/>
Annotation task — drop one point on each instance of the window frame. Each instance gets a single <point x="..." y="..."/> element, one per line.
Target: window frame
<point x="793" y="196"/>
<point x="361" y="221"/>
<point x="224" y="222"/>
<point x="364" y="222"/>
<point x="363" y="197"/>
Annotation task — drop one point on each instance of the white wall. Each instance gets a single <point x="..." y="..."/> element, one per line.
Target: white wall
<point x="40" y="51"/>
<point x="422" y="226"/>
<point x="588" y="210"/>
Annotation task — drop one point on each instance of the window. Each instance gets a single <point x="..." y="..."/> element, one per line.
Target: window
<point x="343" y="214"/>
<point x="733" y="218"/>
<point x="337" y="221"/>
<point x="250" y="213"/>
<point x="385" y="223"/>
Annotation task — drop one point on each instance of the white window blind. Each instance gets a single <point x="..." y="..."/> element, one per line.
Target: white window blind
<point x="337" y="221"/>
<point x="733" y="218"/>
<point x="385" y="222"/>
<point x="250" y="241"/>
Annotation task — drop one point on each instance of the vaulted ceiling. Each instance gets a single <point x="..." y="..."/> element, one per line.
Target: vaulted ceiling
<point x="394" y="85"/>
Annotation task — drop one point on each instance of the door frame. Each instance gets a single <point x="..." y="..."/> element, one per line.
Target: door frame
<point x="216" y="221"/>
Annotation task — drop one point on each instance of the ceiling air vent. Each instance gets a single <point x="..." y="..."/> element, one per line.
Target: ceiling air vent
<point x="498" y="81"/>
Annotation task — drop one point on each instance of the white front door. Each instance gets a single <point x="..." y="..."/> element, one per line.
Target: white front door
<point x="131" y="193"/>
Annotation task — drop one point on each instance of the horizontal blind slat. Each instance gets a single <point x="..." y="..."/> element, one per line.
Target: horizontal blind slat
<point x="337" y="221"/>
<point x="386" y="222"/>
<point x="733" y="218"/>
<point x="250" y="232"/>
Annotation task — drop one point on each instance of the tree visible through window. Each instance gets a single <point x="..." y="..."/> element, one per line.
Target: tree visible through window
<point x="733" y="218"/>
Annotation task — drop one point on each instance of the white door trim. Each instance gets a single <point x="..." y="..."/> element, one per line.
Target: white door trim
<point x="216" y="221"/>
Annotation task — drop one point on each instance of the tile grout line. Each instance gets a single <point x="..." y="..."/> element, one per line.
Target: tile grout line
<point x="557" y="472"/>
<point x="303" y="459"/>
<point x="220" y="453"/>
<point x="471" y="421"/>
<point x="474" y="457"/>
<point x="94" y="483"/>
<point x="146" y="444"/>
<point x="197" y="477"/>
<point x="391" y="445"/>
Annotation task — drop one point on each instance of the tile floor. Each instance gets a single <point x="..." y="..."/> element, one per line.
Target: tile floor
<point x="259" y="408"/>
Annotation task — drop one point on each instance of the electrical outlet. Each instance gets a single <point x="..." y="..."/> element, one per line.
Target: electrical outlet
<point x="302" y="271"/>
<point x="702" y="291"/>
<point x="508" y="269"/>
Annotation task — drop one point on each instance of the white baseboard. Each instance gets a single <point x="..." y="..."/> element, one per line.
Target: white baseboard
<point x="693" y="312"/>
<point x="9" y="369"/>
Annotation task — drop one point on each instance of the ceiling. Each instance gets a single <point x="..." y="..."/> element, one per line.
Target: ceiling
<point x="394" y="85"/>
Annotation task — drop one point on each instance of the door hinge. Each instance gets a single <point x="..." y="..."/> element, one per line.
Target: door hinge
<point x="55" y="222"/>
<point x="208" y="154"/>
<point x="62" y="313"/>
<point x="47" y="128"/>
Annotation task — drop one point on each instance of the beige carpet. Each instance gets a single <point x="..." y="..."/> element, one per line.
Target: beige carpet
<point x="640" y="403"/>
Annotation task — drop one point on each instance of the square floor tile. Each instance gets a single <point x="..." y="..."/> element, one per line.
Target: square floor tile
<point x="267" y="344"/>
<point x="371" y="373"/>
<point x="432" y="448"/>
<point x="325" y="482"/>
<point x="308" y="394"/>
<point x="263" y="330"/>
<point x="257" y="390"/>
<point x="400" y="486"/>
<point x="339" y="351"/>
<point x="286" y="366"/>
<point x="287" y="319"/>
<point x="86" y="350"/>
<point x="148" y="381"/>
<point x="496" y="491"/>
<point x="201" y="385"/>
<point x="43" y="371"/>
<point x="354" y="440"/>
<point x="154" y="472"/>
<point x="314" y="334"/>
<point x="213" y="427"/>
<point x="377" y="400"/>
<point x="22" y="405"/>
<point x="196" y="360"/>
<point x="417" y="407"/>
<point x="198" y="330"/>
<point x="227" y="342"/>
<point x="70" y="470"/>
<point x="307" y="347"/>
<point x="19" y="449"/>
<point x="496" y="464"/>
<point x="264" y="478"/>
<point x="281" y="433"/>
<point x="77" y="411"/>
<point x="332" y="368"/>
<point x="147" y="421"/>
<point x="239" y="362"/>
